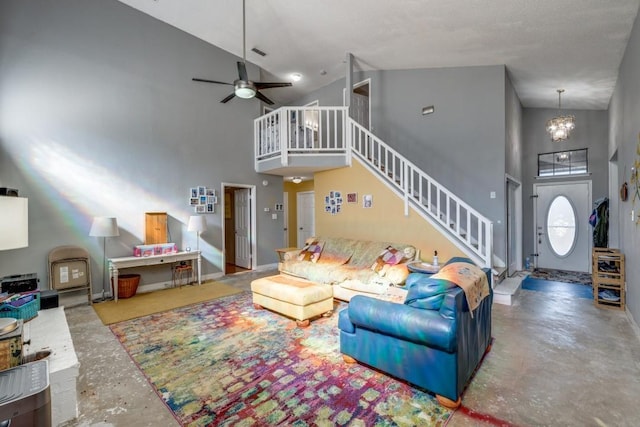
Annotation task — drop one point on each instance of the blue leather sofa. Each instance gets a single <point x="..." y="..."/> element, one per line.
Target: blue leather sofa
<point x="435" y="344"/>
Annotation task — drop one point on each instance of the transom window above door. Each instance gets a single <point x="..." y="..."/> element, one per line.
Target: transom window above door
<point x="562" y="163"/>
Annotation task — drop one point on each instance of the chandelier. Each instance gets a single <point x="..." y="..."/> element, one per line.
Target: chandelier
<point x="560" y="127"/>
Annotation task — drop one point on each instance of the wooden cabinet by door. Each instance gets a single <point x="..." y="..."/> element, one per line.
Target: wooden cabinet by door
<point x="155" y="228"/>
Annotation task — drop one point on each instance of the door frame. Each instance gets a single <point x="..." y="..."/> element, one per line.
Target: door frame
<point x="298" y="194"/>
<point x="252" y="214"/>
<point x="366" y="81"/>
<point x="614" y="201"/>
<point x="285" y="219"/>
<point x="535" y="215"/>
<point x="517" y="227"/>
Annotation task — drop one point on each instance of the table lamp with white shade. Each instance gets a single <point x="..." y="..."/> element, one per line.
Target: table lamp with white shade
<point x="198" y="224"/>
<point x="104" y="227"/>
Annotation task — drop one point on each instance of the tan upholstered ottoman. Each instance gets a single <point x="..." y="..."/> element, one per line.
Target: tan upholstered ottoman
<point x="292" y="296"/>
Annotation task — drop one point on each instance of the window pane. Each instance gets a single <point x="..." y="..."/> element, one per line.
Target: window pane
<point x="562" y="163"/>
<point x="561" y="226"/>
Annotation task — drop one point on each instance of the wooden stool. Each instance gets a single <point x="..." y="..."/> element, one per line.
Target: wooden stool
<point x="182" y="272"/>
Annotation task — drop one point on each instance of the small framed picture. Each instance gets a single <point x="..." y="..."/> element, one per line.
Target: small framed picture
<point x="210" y="208"/>
<point x="367" y="201"/>
<point x="194" y="192"/>
<point x="211" y="200"/>
<point x="200" y="209"/>
<point x="203" y="200"/>
<point x="202" y="191"/>
<point x="352" y="197"/>
<point x="194" y="201"/>
<point x="211" y="192"/>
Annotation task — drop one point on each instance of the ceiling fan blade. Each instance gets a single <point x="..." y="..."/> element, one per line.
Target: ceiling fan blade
<point x="228" y="98"/>
<point x="211" y="81"/>
<point x="263" y="98"/>
<point x="265" y="85"/>
<point x="242" y="71"/>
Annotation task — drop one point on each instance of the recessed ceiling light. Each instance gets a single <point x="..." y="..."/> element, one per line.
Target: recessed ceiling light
<point x="296" y="77"/>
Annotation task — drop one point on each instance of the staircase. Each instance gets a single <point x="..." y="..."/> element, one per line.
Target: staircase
<point x="294" y="140"/>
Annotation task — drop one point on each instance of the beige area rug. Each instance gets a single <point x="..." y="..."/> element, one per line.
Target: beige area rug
<point x="147" y="303"/>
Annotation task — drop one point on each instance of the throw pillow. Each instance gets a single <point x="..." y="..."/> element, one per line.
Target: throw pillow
<point x="390" y="256"/>
<point x="311" y="252"/>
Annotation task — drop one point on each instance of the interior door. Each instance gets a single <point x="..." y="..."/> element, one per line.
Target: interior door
<point x="563" y="238"/>
<point x="285" y="219"/>
<point x="305" y="216"/>
<point x="242" y="212"/>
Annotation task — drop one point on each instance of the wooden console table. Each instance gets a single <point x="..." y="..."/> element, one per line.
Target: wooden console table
<point x="115" y="264"/>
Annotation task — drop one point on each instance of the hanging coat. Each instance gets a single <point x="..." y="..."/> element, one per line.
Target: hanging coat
<point x="601" y="229"/>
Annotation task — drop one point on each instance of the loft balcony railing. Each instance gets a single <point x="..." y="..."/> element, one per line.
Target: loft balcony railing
<point x="291" y="133"/>
<point x="300" y="131"/>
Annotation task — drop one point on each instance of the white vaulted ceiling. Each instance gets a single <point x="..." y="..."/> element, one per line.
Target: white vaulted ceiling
<point x="545" y="44"/>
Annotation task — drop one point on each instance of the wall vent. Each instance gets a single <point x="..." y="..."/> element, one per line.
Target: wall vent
<point x="258" y="51"/>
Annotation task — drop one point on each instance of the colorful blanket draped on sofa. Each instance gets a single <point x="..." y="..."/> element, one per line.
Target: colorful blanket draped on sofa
<point x="470" y="278"/>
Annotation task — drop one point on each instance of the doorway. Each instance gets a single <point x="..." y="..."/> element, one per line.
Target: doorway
<point x="285" y="219"/>
<point x="360" y="106"/>
<point x="561" y="234"/>
<point x="305" y="216"/>
<point x="614" y="202"/>
<point x="514" y="226"/>
<point x="238" y="228"/>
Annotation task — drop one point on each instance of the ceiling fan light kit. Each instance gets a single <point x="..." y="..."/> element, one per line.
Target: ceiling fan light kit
<point x="243" y="87"/>
<point x="245" y="90"/>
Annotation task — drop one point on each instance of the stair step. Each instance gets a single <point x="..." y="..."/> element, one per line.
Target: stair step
<point x="506" y="291"/>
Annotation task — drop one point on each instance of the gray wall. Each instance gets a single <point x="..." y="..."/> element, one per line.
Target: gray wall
<point x="590" y="132"/>
<point x="99" y="116"/>
<point x="462" y="145"/>
<point x="624" y="117"/>
<point x="513" y="132"/>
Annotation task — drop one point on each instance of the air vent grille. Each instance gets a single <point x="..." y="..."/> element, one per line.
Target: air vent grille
<point x="258" y="51"/>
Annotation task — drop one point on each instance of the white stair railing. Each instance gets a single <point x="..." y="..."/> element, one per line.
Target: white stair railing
<point x="457" y="218"/>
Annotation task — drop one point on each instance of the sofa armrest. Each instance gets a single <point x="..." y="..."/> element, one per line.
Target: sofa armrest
<point x="425" y="327"/>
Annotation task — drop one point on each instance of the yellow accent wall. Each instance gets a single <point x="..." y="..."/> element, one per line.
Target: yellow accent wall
<point x="384" y="221"/>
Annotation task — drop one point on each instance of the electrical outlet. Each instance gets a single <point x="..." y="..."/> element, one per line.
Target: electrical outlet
<point x="492" y="195"/>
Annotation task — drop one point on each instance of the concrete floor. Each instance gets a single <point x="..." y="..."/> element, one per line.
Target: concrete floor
<point x="555" y="361"/>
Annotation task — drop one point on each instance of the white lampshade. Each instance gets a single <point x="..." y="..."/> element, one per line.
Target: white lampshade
<point x="14" y="222"/>
<point x="103" y="226"/>
<point x="196" y="223"/>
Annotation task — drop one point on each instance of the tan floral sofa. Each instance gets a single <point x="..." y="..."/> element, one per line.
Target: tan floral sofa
<point x="351" y="266"/>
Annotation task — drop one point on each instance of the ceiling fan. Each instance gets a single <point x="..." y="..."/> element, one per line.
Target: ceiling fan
<point x="243" y="87"/>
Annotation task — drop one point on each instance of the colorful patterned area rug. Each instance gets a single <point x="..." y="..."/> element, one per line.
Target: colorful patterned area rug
<point x="561" y="276"/>
<point x="226" y="363"/>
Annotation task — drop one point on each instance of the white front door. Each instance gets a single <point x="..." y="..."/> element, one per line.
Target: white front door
<point x="305" y="216"/>
<point x="242" y="212"/>
<point x="562" y="232"/>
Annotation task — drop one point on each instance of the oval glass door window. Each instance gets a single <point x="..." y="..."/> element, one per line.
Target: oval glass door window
<point x="561" y="226"/>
